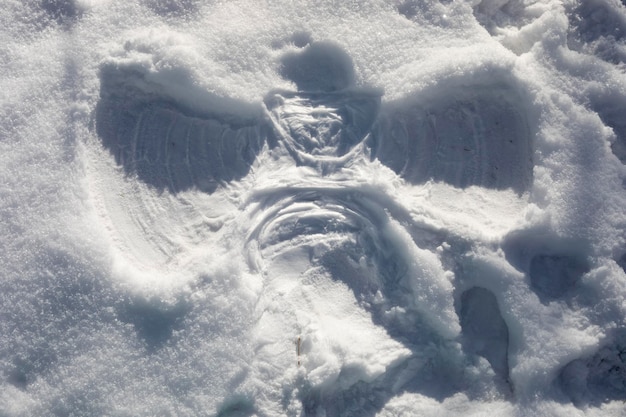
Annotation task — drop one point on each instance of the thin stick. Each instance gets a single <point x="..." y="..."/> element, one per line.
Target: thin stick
<point x="298" y="343"/>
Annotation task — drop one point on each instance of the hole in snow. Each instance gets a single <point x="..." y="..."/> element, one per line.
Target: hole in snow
<point x="485" y="332"/>
<point x="552" y="276"/>
<point x="600" y="378"/>
<point x="599" y="28"/>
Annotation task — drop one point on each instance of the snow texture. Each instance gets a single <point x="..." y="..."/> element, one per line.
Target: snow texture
<point x="375" y="208"/>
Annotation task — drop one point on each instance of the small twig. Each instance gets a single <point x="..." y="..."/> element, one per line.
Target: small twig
<point x="298" y="346"/>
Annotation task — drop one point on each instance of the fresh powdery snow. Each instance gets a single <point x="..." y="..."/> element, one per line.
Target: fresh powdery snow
<point x="313" y="208"/>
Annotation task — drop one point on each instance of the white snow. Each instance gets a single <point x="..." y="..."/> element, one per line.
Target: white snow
<point x="332" y="208"/>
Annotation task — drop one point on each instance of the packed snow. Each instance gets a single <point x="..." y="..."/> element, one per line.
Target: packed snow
<point x="331" y="208"/>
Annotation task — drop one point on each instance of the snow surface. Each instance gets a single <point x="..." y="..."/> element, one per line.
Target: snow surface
<point x="330" y="208"/>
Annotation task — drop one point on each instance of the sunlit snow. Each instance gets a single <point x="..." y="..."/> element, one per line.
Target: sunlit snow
<point x="331" y="208"/>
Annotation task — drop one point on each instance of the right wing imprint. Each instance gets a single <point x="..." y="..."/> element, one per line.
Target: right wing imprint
<point x="476" y="135"/>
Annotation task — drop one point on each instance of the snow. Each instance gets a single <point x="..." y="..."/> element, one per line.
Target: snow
<point x="376" y="208"/>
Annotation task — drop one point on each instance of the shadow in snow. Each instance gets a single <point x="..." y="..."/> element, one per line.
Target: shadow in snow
<point x="552" y="276"/>
<point x="471" y="135"/>
<point x="474" y="135"/>
<point x="62" y="11"/>
<point x="170" y="146"/>
<point x="599" y="28"/>
<point x="553" y="265"/>
<point x="610" y="109"/>
<point x="494" y="15"/>
<point x="237" y="407"/>
<point x="154" y="320"/>
<point x="320" y="67"/>
<point x="599" y="378"/>
<point x="484" y="331"/>
<point x="172" y="8"/>
<point x="622" y="262"/>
